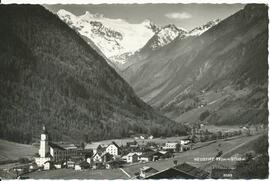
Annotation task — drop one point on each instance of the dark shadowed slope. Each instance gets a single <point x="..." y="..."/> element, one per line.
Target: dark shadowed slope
<point x="223" y="71"/>
<point x="50" y="75"/>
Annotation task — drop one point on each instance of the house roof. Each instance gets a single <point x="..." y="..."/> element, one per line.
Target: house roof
<point x="115" y="144"/>
<point x="82" y="163"/>
<point x="92" y="146"/>
<point x="54" y="145"/>
<point x="185" y="170"/>
<point x="131" y="154"/>
<point x="116" y="162"/>
<point x="67" y="145"/>
<point x="101" y="154"/>
<point x="191" y="170"/>
<point x="148" y="171"/>
<point x="148" y="154"/>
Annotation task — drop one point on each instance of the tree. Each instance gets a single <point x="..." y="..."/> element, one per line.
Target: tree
<point x="204" y="115"/>
<point x="82" y="145"/>
<point x="177" y="148"/>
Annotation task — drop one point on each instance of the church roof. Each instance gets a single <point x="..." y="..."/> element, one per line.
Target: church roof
<point x="44" y="130"/>
<point x="53" y="145"/>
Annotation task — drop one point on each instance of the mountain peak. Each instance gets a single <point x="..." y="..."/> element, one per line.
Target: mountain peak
<point x="147" y="22"/>
<point x="63" y="12"/>
<point x="203" y="28"/>
<point x="166" y="35"/>
<point x="112" y="36"/>
<point x="89" y="15"/>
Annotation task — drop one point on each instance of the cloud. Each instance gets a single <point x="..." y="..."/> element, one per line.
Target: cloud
<point x="176" y="15"/>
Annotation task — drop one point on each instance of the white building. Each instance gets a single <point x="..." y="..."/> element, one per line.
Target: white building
<point x="113" y="149"/>
<point x="132" y="158"/>
<point x="50" y="152"/>
<point x="185" y="141"/>
<point x="170" y="146"/>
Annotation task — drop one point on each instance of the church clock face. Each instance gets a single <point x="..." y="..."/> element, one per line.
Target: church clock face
<point x="43" y="137"/>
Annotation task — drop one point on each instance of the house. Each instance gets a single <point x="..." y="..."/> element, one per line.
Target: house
<point x="98" y="165"/>
<point x="114" y="164"/>
<point x="182" y="171"/>
<point x="146" y="171"/>
<point x="85" y="153"/>
<point x="171" y="146"/>
<point x="58" y="165"/>
<point x="132" y="144"/>
<point x="89" y="160"/>
<point x="113" y="149"/>
<point x="81" y="165"/>
<point x="150" y="156"/>
<point x="102" y="157"/>
<point x="140" y="136"/>
<point x="186" y="144"/>
<point x="70" y="164"/>
<point x="151" y="137"/>
<point x="132" y="158"/>
<point x="166" y="154"/>
<point x="95" y="147"/>
<point x="33" y="166"/>
<point x="185" y="141"/>
<point x="47" y="165"/>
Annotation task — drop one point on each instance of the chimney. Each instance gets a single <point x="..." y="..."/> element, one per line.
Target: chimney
<point x="175" y="162"/>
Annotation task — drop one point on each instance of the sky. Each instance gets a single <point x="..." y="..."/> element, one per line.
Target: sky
<point x="186" y="16"/>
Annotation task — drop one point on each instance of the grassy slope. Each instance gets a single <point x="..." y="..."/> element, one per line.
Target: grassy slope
<point x="13" y="151"/>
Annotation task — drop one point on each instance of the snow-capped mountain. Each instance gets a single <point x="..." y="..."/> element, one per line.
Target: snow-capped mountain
<point x="166" y="35"/>
<point x="201" y="29"/>
<point x="112" y="36"/>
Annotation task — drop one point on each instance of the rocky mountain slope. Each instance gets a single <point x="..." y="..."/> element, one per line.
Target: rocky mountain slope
<point x="201" y="29"/>
<point x="119" y="40"/>
<point x="114" y="37"/>
<point x="165" y="36"/>
<point x="50" y="75"/>
<point x="219" y="76"/>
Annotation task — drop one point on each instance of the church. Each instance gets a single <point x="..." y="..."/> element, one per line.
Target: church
<point x="49" y="152"/>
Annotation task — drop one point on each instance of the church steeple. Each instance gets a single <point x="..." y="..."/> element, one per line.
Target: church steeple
<point x="44" y="130"/>
<point x="44" y="145"/>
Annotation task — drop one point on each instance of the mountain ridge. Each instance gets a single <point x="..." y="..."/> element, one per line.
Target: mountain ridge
<point x="185" y="76"/>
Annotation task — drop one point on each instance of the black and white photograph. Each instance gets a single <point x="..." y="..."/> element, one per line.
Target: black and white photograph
<point x="103" y="90"/>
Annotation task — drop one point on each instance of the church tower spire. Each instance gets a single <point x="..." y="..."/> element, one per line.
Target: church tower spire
<point x="44" y="143"/>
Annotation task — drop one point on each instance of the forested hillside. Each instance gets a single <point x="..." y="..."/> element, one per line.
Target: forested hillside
<point x="50" y="75"/>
